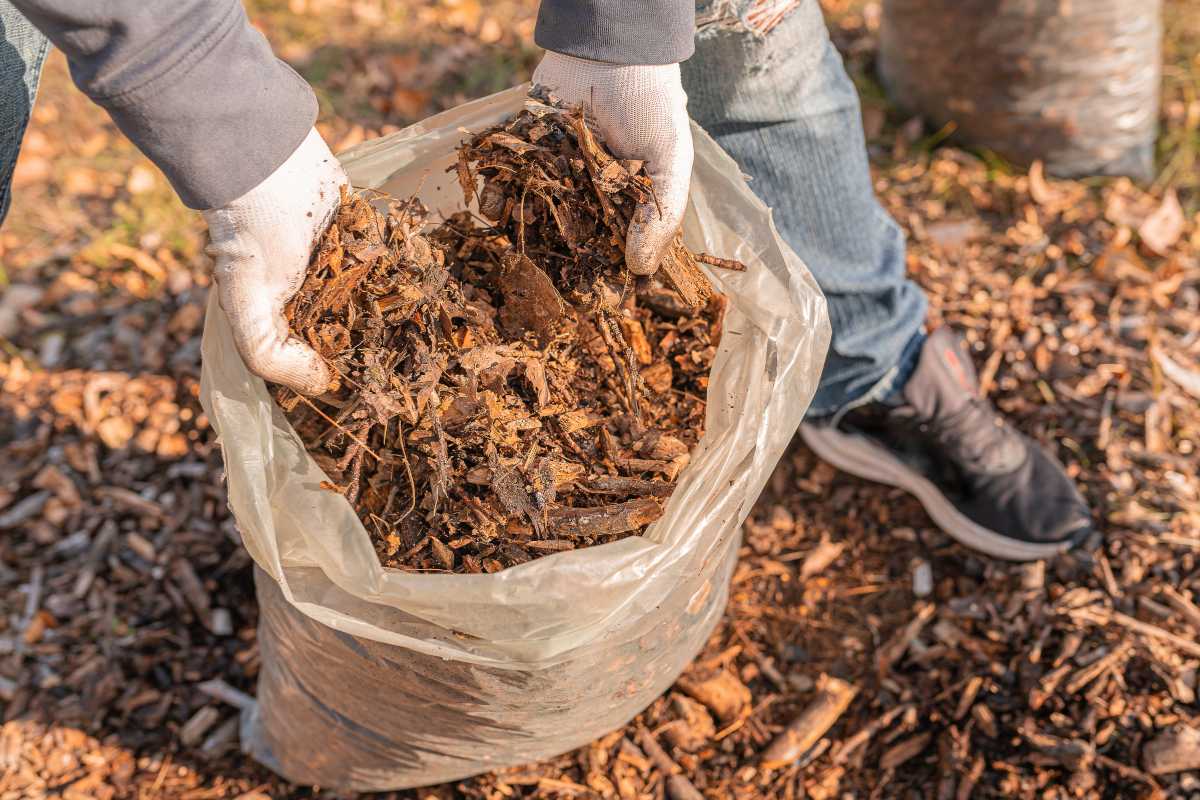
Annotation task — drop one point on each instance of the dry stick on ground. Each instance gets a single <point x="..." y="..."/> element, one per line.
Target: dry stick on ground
<point x="833" y="698"/>
<point x="910" y="748"/>
<point x="678" y="786"/>
<point x="846" y="748"/>
<point x="894" y="649"/>
<point x="1126" y="771"/>
<point x="1103" y="617"/>
<point x="1185" y="607"/>
<point x="1092" y="671"/>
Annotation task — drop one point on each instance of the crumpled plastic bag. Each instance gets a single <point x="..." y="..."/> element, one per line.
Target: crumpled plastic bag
<point x="377" y="679"/>
<point x="1074" y="83"/>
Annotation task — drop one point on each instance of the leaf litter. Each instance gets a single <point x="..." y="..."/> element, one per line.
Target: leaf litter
<point x="505" y="388"/>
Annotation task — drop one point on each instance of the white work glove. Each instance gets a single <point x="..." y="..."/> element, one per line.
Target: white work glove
<point x="262" y="243"/>
<point x="641" y="111"/>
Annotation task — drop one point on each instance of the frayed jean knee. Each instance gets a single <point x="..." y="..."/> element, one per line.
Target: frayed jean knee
<point x="767" y="83"/>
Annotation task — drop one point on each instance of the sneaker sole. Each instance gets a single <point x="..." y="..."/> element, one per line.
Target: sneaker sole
<point x="858" y="456"/>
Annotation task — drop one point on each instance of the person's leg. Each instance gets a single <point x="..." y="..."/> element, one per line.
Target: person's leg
<point x="22" y="52"/>
<point x="767" y="83"/>
<point x="769" y="86"/>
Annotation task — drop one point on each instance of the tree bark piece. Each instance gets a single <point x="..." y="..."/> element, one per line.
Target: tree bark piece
<point x="619" y="485"/>
<point x="605" y="520"/>
<point x="684" y="276"/>
<point x="694" y="728"/>
<point x="723" y="694"/>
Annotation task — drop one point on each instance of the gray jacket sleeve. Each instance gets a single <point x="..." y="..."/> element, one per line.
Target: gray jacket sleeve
<point x="618" y="31"/>
<point x="190" y="82"/>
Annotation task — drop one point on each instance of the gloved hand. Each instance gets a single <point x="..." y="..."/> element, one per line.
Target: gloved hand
<point x="642" y="113"/>
<point x="262" y="243"/>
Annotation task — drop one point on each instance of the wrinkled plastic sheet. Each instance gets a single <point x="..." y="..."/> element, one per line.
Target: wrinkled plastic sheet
<point x="1074" y="83"/>
<point x="374" y="678"/>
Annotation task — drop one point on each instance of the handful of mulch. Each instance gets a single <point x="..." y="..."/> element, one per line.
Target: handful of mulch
<point x="505" y="388"/>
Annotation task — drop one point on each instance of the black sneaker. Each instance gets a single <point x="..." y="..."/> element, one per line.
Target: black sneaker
<point x="981" y="481"/>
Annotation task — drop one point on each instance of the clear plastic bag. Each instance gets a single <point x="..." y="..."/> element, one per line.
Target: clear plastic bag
<point x="1074" y="83"/>
<point x="375" y="679"/>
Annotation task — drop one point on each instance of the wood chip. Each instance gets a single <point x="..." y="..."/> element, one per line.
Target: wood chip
<point x="722" y="693"/>
<point x="909" y="748"/>
<point x="1175" y="750"/>
<point x="197" y="725"/>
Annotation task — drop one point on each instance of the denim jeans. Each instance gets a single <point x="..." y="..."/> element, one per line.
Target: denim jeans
<point x="22" y="52"/>
<point x="767" y="83"/>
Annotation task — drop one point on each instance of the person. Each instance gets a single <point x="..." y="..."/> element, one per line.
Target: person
<point x="199" y="91"/>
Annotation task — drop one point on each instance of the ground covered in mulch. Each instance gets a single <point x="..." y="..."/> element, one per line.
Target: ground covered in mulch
<point x="128" y="616"/>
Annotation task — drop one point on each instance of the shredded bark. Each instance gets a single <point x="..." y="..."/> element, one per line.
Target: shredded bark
<point x="505" y="388"/>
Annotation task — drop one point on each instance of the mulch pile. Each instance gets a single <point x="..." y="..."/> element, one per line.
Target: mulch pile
<point x="505" y="389"/>
<point x="862" y="654"/>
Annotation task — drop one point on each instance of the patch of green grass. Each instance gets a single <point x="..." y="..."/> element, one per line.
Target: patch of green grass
<point x="324" y="70"/>
<point x="1179" y="137"/>
<point x="931" y="142"/>
<point x="493" y="70"/>
<point x="997" y="165"/>
<point x="870" y="89"/>
<point x="149" y="220"/>
<point x="322" y="65"/>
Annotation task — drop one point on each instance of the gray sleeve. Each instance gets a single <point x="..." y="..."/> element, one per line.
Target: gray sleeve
<point x="618" y="31"/>
<point x="190" y="82"/>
